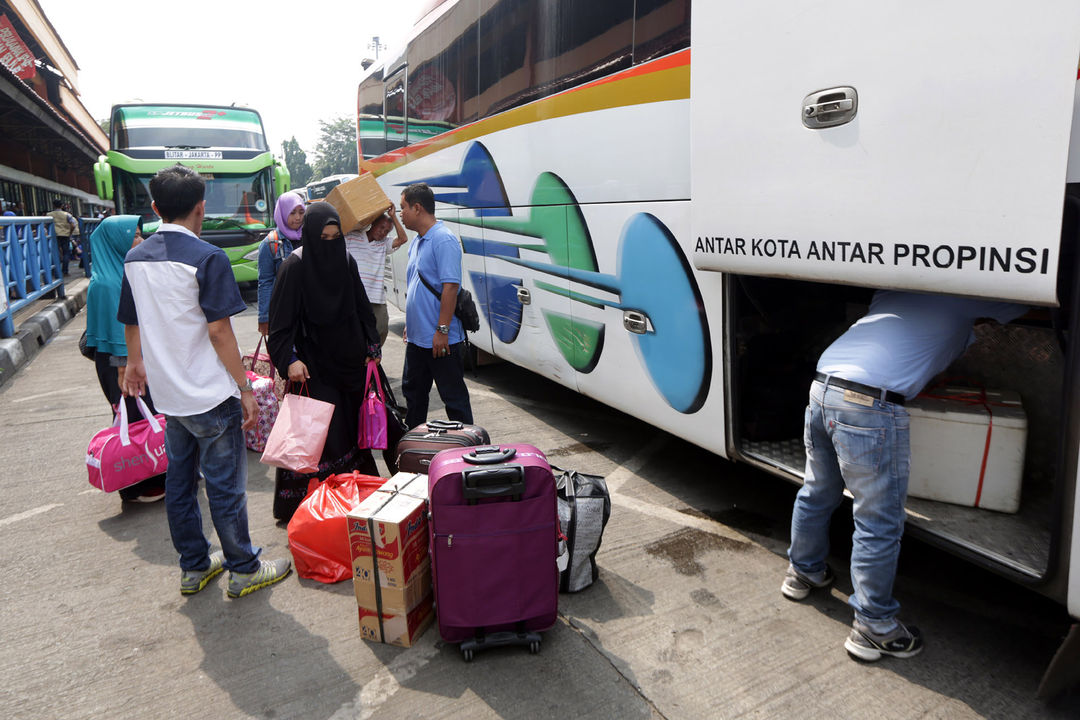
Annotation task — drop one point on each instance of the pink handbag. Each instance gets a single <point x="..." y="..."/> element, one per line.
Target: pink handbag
<point x="127" y="453"/>
<point x="372" y="425"/>
<point x="269" y="406"/>
<point x="299" y="434"/>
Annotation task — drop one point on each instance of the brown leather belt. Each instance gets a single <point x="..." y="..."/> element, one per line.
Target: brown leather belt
<point x="833" y="381"/>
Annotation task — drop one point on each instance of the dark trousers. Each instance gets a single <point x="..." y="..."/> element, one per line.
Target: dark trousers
<point x="448" y="373"/>
<point x="63" y="246"/>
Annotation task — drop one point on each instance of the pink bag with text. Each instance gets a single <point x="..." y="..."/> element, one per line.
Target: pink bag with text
<point x="372" y="425"/>
<point x="127" y="453"/>
<point x="299" y="434"/>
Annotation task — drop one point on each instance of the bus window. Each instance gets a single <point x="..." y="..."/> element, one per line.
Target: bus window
<point x="442" y="74"/>
<point x="660" y="27"/>
<point x="394" y="112"/>
<point x="531" y="50"/>
<point x="370" y="128"/>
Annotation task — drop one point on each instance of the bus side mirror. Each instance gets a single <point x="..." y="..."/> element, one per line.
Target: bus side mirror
<point x="282" y="179"/>
<point x="103" y="178"/>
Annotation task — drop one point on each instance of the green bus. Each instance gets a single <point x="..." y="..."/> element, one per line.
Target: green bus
<point x="227" y="145"/>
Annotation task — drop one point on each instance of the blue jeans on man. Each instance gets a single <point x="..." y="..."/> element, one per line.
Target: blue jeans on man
<point x="448" y="374"/>
<point x="213" y="442"/>
<point x="867" y="450"/>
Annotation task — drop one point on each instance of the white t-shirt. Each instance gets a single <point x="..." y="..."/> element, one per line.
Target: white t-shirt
<point x="371" y="262"/>
<point x="174" y="286"/>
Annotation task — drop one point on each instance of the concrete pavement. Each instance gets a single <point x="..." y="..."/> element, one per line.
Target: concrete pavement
<point x="686" y="620"/>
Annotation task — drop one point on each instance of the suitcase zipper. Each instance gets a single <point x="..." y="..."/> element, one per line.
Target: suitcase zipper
<point x="516" y="531"/>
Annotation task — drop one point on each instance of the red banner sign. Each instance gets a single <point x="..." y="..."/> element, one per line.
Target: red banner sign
<point x="14" y="54"/>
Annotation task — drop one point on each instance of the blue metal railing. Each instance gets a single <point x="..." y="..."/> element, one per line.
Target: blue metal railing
<point x="86" y="227"/>
<point x="29" y="265"/>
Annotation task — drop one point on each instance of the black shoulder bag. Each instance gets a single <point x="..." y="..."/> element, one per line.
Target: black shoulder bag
<point x="464" y="309"/>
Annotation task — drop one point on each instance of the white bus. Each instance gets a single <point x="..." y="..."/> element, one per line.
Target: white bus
<point x="681" y="241"/>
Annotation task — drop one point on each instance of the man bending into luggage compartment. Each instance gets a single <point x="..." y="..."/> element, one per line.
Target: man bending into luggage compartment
<point x="176" y="301"/>
<point x="857" y="437"/>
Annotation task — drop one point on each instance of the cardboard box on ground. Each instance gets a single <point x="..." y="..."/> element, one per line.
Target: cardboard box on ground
<point x="388" y="540"/>
<point x="359" y="201"/>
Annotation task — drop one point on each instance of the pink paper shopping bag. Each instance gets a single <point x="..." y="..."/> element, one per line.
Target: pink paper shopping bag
<point x="299" y="434"/>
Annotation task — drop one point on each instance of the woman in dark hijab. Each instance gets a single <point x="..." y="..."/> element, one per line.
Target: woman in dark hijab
<point x="322" y="329"/>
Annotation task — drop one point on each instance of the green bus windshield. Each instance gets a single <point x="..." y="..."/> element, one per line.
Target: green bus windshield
<point x="232" y="201"/>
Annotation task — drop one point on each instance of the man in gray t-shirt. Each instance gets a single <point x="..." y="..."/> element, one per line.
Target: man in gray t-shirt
<point x="857" y="437"/>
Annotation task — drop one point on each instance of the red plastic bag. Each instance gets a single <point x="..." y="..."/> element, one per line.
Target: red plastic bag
<point x="318" y="532"/>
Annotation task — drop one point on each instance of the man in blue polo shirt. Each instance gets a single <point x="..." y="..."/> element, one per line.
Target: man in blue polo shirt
<point x="176" y="301"/>
<point x="434" y="337"/>
<point x="857" y="437"/>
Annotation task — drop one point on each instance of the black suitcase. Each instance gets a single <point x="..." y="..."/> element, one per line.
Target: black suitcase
<point x="419" y="445"/>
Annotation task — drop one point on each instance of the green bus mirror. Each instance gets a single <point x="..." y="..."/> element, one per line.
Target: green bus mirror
<point x="103" y="178"/>
<point x="282" y="179"/>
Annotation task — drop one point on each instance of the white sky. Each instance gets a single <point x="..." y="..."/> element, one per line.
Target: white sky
<point x="296" y="63"/>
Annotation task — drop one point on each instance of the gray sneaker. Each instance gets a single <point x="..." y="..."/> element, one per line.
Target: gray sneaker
<point x="269" y="572"/>
<point x="192" y="581"/>
<point x="797" y="586"/>
<point x="866" y="645"/>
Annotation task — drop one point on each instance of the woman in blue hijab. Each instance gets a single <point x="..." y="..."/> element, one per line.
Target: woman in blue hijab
<point x="111" y="240"/>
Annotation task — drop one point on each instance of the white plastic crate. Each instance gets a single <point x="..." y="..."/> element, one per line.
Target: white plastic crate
<point x="948" y="444"/>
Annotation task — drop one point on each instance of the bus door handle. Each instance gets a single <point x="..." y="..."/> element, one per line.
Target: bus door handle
<point x="637" y="322"/>
<point x="524" y="296"/>
<point x="829" y="108"/>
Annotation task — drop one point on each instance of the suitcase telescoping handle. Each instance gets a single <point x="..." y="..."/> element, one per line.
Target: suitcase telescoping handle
<point x="489" y="455"/>
<point x="502" y="481"/>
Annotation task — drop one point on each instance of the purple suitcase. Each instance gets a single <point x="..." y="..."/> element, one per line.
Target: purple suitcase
<point x="494" y="531"/>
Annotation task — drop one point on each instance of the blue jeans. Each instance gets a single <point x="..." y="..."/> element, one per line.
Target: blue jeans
<point x="448" y="374"/>
<point x="214" y="442"/>
<point x="866" y="449"/>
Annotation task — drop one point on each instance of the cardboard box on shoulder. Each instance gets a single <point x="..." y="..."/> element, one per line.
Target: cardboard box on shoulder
<point x="388" y="538"/>
<point x="397" y="629"/>
<point x="359" y="201"/>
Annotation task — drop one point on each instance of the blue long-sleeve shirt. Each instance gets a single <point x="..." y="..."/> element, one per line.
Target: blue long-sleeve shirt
<point x="269" y="262"/>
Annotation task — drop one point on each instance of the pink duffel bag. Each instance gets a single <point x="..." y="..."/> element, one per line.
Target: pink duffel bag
<point x="127" y="453"/>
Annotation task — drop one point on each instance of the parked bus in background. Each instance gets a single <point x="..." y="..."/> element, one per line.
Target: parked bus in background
<point x="226" y="145"/>
<point x="681" y="240"/>
<point x="319" y="189"/>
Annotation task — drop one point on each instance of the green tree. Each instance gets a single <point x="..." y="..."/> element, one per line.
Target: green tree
<point x="296" y="162"/>
<point x="105" y="125"/>
<point x="336" y="149"/>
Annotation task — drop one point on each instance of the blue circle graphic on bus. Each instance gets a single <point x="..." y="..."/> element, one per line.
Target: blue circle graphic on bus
<point x="654" y="278"/>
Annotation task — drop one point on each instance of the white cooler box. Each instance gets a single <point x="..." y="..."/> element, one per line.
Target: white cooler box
<point x="948" y="441"/>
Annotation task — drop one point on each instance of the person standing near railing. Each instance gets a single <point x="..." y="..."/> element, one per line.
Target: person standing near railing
<point x="63" y="225"/>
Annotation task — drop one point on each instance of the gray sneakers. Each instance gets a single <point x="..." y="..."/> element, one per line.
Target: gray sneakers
<point x="269" y="572"/>
<point x="192" y="581"/>
<point x="797" y="586"/>
<point x="866" y="645"/>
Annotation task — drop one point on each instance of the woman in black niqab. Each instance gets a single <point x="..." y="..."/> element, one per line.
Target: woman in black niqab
<point x="322" y="329"/>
